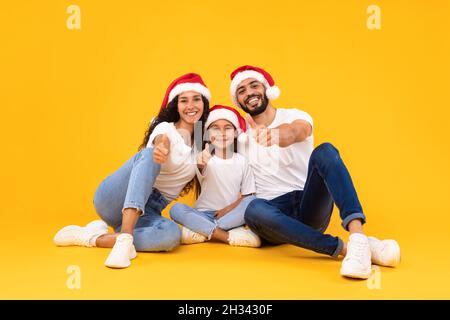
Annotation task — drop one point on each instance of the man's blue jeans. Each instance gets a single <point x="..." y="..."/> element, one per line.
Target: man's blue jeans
<point x="131" y="186"/>
<point x="301" y="217"/>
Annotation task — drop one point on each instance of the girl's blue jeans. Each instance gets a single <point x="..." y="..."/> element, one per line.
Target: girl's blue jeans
<point x="204" y="222"/>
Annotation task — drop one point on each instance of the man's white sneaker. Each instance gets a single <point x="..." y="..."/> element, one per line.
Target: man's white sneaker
<point x="357" y="262"/>
<point x="80" y="236"/>
<point x="122" y="252"/>
<point x="384" y="252"/>
<point x="190" y="237"/>
<point x="243" y="237"/>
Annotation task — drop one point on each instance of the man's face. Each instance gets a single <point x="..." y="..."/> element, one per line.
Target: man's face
<point x="251" y="96"/>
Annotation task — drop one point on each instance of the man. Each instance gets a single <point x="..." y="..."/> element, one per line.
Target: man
<point x="297" y="184"/>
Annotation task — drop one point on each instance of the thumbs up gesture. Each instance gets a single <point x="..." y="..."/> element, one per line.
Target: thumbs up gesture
<point x="263" y="135"/>
<point x="203" y="157"/>
<point x="161" y="149"/>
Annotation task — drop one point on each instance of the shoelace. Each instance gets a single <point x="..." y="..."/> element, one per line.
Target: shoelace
<point x="377" y="253"/>
<point x="120" y="245"/>
<point x="82" y="239"/>
<point x="357" y="250"/>
<point x="242" y="238"/>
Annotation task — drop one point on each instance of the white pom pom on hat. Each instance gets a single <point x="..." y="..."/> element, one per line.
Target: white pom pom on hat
<point x="273" y="92"/>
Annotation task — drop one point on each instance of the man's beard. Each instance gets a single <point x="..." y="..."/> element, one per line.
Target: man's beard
<point x="258" y="110"/>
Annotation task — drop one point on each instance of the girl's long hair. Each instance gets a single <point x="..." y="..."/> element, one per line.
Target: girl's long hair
<point x="171" y="114"/>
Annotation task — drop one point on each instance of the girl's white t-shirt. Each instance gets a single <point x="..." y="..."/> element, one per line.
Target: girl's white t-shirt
<point x="223" y="181"/>
<point x="279" y="170"/>
<point x="180" y="166"/>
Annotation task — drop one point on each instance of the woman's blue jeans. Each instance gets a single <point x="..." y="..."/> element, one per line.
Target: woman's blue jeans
<point x="131" y="186"/>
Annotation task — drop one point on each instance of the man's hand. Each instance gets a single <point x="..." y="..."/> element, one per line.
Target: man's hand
<point x="283" y="135"/>
<point x="161" y="149"/>
<point x="263" y="135"/>
<point x="203" y="157"/>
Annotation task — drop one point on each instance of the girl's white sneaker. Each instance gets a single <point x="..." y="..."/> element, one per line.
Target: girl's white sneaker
<point x="243" y="237"/>
<point x="190" y="237"/>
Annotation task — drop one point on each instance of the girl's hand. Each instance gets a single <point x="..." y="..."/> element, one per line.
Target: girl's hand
<point x="161" y="149"/>
<point x="220" y="213"/>
<point x="203" y="157"/>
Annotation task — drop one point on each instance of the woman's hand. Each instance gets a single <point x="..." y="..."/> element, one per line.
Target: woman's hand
<point x="161" y="149"/>
<point x="203" y="157"/>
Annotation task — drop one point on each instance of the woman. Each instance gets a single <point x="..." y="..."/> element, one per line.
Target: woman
<point x="131" y="199"/>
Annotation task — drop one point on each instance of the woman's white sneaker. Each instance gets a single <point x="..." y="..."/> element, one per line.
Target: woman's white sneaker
<point x="80" y="236"/>
<point x="97" y="224"/>
<point x="122" y="252"/>
<point x="243" y="237"/>
<point x="190" y="237"/>
<point x="384" y="252"/>
<point x="357" y="262"/>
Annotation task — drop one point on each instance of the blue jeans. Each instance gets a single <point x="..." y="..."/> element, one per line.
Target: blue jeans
<point x="301" y="217"/>
<point x="204" y="222"/>
<point x="131" y="186"/>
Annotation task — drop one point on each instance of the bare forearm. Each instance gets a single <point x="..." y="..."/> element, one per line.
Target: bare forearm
<point x="157" y="140"/>
<point x="238" y="201"/>
<point x="289" y="134"/>
<point x="234" y="204"/>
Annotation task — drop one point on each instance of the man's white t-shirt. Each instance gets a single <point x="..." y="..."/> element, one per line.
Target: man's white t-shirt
<point x="279" y="170"/>
<point x="222" y="181"/>
<point x="180" y="166"/>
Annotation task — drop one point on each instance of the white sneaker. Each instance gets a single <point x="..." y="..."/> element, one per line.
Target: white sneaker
<point x="122" y="252"/>
<point x="384" y="252"/>
<point x="97" y="224"/>
<point x="357" y="262"/>
<point x="243" y="237"/>
<point x="80" y="236"/>
<point x="190" y="237"/>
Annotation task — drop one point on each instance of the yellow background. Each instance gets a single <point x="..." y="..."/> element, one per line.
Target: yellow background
<point x="75" y="105"/>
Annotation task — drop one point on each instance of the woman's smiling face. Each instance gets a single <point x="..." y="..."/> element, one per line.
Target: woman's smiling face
<point x="190" y="106"/>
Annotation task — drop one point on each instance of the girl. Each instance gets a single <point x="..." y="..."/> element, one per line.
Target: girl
<point x="227" y="185"/>
<point x="131" y="199"/>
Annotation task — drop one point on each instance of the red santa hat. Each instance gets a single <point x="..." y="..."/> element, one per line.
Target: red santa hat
<point x="245" y="72"/>
<point x="219" y="112"/>
<point x="187" y="82"/>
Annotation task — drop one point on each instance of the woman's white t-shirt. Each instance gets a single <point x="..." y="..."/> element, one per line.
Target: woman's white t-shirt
<point x="279" y="170"/>
<point x="180" y="166"/>
<point x="223" y="181"/>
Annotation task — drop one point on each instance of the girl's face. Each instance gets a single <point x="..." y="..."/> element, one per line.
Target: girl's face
<point x="222" y="133"/>
<point x="190" y="106"/>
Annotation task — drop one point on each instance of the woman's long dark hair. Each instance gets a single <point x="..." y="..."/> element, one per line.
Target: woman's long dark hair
<point x="171" y="114"/>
